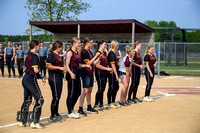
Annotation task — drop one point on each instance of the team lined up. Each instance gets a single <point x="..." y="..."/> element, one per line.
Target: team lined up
<point x="81" y="65"/>
<point x="15" y="55"/>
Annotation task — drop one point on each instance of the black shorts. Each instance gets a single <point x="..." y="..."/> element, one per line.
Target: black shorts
<point x="122" y="73"/>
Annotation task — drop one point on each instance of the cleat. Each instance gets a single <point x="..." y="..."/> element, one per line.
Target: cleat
<point x="138" y="100"/>
<point x="134" y="101"/>
<point x="81" y="113"/>
<point x="98" y="108"/>
<point x="37" y="125"/>
<point x="92" y="111"/>
<point x="23" y="125"/>
<point x="117" y="104"/>
<point x="73" y="115"/>
<point x="130" y="101"/>
<point x="9" y="76"/>
<point x="146" y="99"/>
<point x="127" y="103"/>
<point x="151" y="98"/>
<point x="106" y="107"/>
<point x="14" y="76"/>
<point x="60" y="118"/>
<point x="122" y="103"/>
<point x="112" y="105"/>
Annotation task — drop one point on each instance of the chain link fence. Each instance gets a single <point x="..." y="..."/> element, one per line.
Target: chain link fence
<point x="167" y="53"/>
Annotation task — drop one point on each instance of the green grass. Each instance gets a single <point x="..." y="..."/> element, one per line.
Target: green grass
<point x="182" y="70"/>
<point x="193" y="60"/>
<point x="190" y="66"/>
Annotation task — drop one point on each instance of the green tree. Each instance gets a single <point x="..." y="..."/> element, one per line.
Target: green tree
<point x="55" y="10"/>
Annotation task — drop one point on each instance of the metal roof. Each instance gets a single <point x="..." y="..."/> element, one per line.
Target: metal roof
<point x="93" y="26"/>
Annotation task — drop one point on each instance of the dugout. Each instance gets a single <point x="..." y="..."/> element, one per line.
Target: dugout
<point x="123" y="30"/>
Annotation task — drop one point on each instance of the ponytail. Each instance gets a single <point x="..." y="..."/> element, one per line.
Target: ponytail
<point x="136" y="43"/>
<point x="99" y="43"/>
<point x="149" y="47"/>
<point x="86" y="40"/>
<point x="32" y="44"/>
<point x="56" y="44"/>
<point x="113" y="44"/>
<point x="128" y="49"/>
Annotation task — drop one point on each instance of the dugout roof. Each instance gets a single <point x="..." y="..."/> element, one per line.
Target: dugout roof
<point x="93" y="26"/>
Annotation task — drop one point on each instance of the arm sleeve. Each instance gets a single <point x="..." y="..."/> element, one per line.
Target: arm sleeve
<point x="127" y="62"/>
<point x="85" y="56"/>
<point x="35" y="61"/>
<point x="111" y="58"/>
<point x="50" y="59"/>
<point x="146" y="59"/>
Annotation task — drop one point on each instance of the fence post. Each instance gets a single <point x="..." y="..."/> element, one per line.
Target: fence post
<point x="175" y="55"/>
<point x="185" y="57"/>
<point x="158" y="60"/>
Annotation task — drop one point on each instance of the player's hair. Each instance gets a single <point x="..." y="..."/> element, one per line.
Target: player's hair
<point x="32" y="44"/>
<point x="8" y="41"/>
<point x="50" y="43"/>
<point x="149" y="47"/>
<point x="129" y="49"/>
<point x="86" y="40"/>
<point x="114" y="44"/>
<point x="99" y="43"/>
<point x="56" y="44"/>
<point x="136" y="43"/>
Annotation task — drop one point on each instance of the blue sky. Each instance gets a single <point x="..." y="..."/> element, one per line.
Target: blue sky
<point x="186" y="13"/>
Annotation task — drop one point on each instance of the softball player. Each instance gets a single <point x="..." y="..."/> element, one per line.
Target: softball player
<point x="31" y="88"/>
<point x="137" y="65"/>
<point x="48" y="50"/>
<point x="73" y="76"/>
<point x="87" y="75"/>
<point x="43" y="57"/>
<point x="124" y="71"/>
<point x="55" y="66"/>
<point x="113" y="76"/>
<point x="19" y="60"/>
<point x="150" y="63"/>
<point x="2" y="59"/>
<point x="9" y="58"/>
<point x="101" y="73"/>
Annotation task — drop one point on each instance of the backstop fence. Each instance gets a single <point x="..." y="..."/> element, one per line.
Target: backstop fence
<point x="167" y="53"/>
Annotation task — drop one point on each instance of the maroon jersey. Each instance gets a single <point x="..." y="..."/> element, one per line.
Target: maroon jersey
<point x="55" y="60"/>
<point x="150" y="58"/>
<point x="103" y="61"/>
<point x="137" y="58"/>
<point x="32" y="61"/>
<point x="87" y="55"/>
<point x="75" y="59"/>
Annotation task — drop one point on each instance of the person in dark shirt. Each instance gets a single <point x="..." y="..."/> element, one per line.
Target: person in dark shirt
<point x="113" y="77"/>
<point x="101" y="73"/>
<point x="2" y="59"/>
<point x="19" y="60"/>
<point x="73" y="66"/>
<point x="150" y="63"/>
<point x="87" y="75"/>
<point x="43" y="57"/>
<point x="136" y="67"/>
<point x="31" y="88"/>
<point x="9" y="58"/>
<point x="56" y="70"/>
